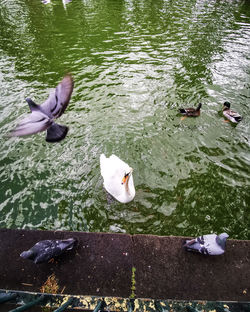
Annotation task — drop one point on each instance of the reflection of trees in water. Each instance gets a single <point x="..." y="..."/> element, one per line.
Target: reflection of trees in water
<point x="204" y="41"/>
<point x="182" y="35"/>
<point x="47" y="37"/>
<point x="31" y="37"/>
<point x="182" y="38"/>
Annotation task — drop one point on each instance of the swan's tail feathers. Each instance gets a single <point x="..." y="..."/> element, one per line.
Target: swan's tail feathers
<point x="102" y="159"/>
<point x="56" y="133"/>
<point x="102" y="156"/>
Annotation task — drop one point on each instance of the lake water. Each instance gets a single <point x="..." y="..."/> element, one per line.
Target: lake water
<point x="134" y="62"/>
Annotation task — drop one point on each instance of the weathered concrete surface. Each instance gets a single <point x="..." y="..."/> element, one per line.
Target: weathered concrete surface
<point x="102" y="265"/>
<point x="165" y="270"/>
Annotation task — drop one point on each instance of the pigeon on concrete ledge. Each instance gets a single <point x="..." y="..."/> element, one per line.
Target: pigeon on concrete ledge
<point x="210" y="244"/>
<point x="46" y="250"/>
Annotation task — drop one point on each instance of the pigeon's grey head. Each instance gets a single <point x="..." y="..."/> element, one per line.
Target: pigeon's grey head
<point x="32" y="105"/>
<point x="223" y="236"/>
<point x="221" y="239"/>
<point x="69" y="243"/>
<point x="29" y="254"/>
<point x="28" y="100"/>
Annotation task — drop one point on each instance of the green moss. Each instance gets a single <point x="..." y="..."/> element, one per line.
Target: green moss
<point x="133" y="282"/>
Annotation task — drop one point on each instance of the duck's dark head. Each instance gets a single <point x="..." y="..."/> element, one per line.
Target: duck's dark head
<point x="227" y="105"/>
<point x="199" y="107"/>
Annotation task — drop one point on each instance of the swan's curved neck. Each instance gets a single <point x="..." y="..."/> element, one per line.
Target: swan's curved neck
<point x="126" y="186"/>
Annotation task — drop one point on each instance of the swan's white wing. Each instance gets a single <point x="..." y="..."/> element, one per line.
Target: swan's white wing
<point x="59" y="98"/>
<point x="113" y="167"/>
<point x="33" y="123"/>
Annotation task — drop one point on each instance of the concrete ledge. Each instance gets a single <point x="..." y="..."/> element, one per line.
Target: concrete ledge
<point x="102" y="266"/>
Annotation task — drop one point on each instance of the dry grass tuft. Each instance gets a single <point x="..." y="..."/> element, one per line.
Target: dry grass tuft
<point x="51" y="285"/>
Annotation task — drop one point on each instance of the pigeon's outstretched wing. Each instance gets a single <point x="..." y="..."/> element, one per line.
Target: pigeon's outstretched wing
<point x="59" y="98"/>
<point x="42" y="116"/>
<point x="33" y="123"/>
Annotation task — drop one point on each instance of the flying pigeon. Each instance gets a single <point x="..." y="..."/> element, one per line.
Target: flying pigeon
<point x="210" y="244"/>
<point x="45" y="250"/>
<point x="42" y="116"/>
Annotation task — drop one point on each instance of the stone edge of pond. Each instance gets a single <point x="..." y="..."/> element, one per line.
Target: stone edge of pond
<point x="127" y="266"/>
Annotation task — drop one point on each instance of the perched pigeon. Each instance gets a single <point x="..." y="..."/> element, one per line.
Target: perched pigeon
<point x="45" y="250"/>
<point x="42" y="116"/>
<point x="210" y="244"/>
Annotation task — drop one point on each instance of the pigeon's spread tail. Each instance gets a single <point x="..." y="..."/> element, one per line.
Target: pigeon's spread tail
<point x="27" y="254"/>
<point x="56" y="133"/>
<point x="189" y="242"/>
<point x="191" y="245"/>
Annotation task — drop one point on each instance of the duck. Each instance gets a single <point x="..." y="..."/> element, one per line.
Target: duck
<point x="117" y="178"/>
<point x="42" y="116"/>
<point x="46" y="250"/>
<point x="191" y="111"/>
<point x="230" y="114"/>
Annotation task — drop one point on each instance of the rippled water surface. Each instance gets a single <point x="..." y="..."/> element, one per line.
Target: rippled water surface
<point x="134" y="62"/>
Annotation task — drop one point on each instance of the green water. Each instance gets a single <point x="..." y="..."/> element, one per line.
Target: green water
<point x="134" y="62"/>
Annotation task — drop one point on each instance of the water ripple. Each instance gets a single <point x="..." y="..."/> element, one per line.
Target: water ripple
<point x="134" y="65"/>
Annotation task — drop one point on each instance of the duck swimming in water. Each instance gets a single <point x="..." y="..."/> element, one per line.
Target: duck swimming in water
<point x="230" y="114"/>
<point x="191" y="111"/>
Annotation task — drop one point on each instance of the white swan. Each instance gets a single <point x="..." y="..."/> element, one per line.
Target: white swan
<point x="118" y="179"/>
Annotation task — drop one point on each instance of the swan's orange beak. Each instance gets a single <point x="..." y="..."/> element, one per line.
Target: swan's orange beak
<point x="125" y="178"/>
